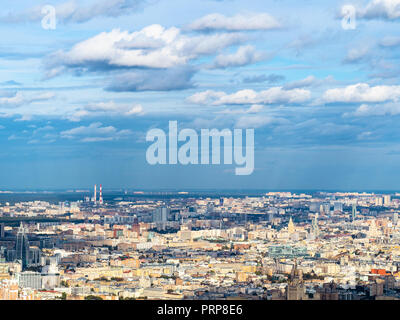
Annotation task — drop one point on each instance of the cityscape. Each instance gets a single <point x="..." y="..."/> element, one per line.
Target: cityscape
<point x="203" y="158"/>
<point x="142" y="245"/>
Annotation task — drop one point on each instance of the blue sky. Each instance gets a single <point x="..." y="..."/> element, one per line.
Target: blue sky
<point x="76" y="102"/>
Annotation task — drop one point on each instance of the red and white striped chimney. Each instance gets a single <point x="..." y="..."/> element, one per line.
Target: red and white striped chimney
<point x="101" y="195"/>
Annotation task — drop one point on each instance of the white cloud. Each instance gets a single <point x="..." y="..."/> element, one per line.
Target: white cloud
<point x="375" y="110"/>
<point x="363" y="93"/>
<point x="274" y="95"/>
<point x="205" y="97"/>
<point x="12" y="137"/>
<point x="366" y="135"/>
<point x="109" y="108"/>
<point x="18" y="99"/>
<point x="166" y="48"/>
<point x="23" y="117"/>
<point x="112" y="107"/>
<point x="390" y="41"/>
<point x="381" y="9"/>
<point x="137" y="109"/>
<point x="254" y="21"/>
<point x="95" y="132"/>
<point x="255" y="108"/>
<point x="357" y="54"/>
<point x="243" y="56"/>
<point x="43" y="129"/>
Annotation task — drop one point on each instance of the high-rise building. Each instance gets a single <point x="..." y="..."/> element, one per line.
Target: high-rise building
<point x="373" y="230"/>
<point x="2" y="230"/>
<point x="29" y="279"/>
<point x="295" y="289"/>
<point x="386" y="199"/>
<point x="378" y="201"/>
<point x="315" y="227"/>
<point x="327" y="208"/>
<point x="22" y="247"/>
<point x="395" y="218"/>
<point x="135" y="225"/>
<point x="161" y="215"/>
<point x="338" y="206"/>
<point x="314" y="206"/>
<point x="353" y="212"/>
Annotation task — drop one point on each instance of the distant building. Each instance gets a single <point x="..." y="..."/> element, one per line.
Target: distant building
<point x="338" y="206"/>
<point x="291" y="228"/>
<point x="22" y="247"/>
<point x="386" y="199"/>
<point x="286" y="251"/>
<point x="295" y="289"/>
<point x="353" y="212"/>
<point x="29" y="279"/>
<point x="161" y="214"/>
<point x="161" y="217"/>
<point x="315" y="227"/>
<point x="327" y="208"/>
<point x="328" y="291"/>
<point x="378" y="201"/>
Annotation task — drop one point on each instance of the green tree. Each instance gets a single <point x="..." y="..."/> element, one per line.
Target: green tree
<point x="91" y="297"/>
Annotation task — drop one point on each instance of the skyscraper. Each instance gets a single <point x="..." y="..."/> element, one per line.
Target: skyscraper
<point x="22" y="247"/>
<point x="161" y="214"/>
<point x="327" y="208"/>
<point x="386" y="199"/>
<point x="353" y="212"/>
<point x="295" y="289"/>
<point x="315" y="227"/>
<point x="1" y="230"/>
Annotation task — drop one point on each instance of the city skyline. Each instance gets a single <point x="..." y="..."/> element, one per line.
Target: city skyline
<point x="274" y="246"/>
<point x="77" y="98"/>
<point x="202" y="155"/>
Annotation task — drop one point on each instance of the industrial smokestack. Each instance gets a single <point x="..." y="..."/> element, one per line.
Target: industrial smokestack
<point x="101" y="195"/>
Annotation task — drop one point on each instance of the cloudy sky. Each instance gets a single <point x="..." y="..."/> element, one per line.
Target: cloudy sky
<point x="76" y="101"/>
